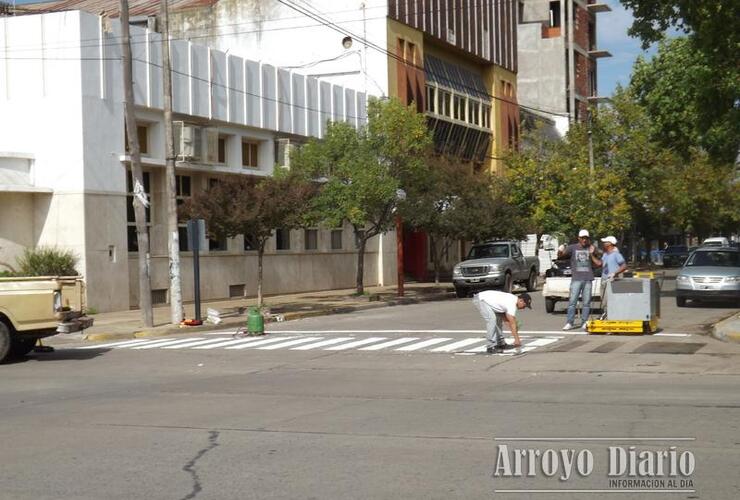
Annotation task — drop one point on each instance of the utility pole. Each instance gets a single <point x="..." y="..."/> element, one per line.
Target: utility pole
<point x="590" y="147"/>
<point x="140" y="199"/>
<point x="173" y="241"/>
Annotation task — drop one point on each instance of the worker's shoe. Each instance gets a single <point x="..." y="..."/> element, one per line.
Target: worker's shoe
<point x="499" y="348"/>
<point x="568" y="326"/>
<point x="584" y="326"/>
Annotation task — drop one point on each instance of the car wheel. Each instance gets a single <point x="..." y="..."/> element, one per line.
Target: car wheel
<point x="550" y="305"/>
<point x="532" y="281"/>
<point x="5" y="342"/>
<point x="681" y="301"/>
<point x="508" y="283"/>
<point x="461" y="292"/>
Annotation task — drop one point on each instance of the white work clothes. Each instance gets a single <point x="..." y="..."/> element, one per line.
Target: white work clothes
<point x="493" y="306"/>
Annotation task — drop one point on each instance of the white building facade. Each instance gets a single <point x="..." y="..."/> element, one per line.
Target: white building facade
<point x="63" y="161"/>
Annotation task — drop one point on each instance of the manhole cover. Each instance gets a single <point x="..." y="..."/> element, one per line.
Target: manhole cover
<point x="669" y="348"/>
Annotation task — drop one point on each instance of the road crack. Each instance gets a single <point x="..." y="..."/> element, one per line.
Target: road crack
<point x="190" y="466"/>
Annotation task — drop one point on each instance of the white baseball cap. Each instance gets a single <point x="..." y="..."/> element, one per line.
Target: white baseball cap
<point x="583" y="233"/>
<point x="609" y="239"/>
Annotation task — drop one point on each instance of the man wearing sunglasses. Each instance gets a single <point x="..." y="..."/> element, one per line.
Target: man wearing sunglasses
<point x="582" y="260"/>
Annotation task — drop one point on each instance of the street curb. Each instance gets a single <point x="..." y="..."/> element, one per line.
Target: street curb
<point x="289" y="316"/>
<point x="728" y="330"/>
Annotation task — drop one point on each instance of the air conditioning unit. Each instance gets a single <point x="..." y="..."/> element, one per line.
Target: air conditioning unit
<point x="188" y="141"/>
<point x="211" y="145"/>
<point x="284" y="150"/>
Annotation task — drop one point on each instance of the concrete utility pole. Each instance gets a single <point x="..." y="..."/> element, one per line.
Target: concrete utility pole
<point x="140" y="199"/>
<point x="173" y="241"/>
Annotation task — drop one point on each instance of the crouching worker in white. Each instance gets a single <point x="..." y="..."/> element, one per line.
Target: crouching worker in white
<point x="497" y="307"/>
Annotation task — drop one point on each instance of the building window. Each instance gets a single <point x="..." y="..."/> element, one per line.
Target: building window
<point x="250" y="243"/>
<point x="133" y="242"/>
<point x="474" y="112"/>
<point x="182" y="193"/>
<point x="431" y="103"/>
<point x="555" y="14"/>
<point x="336" y="239"/>
<point x="486" y="117"/>
<point x="142" y="133"/>
<point x="218" y="244"/>
<point x="222" y="149"/>
<point x="411" y="56"/>
<point x="282" y="239"/>
<point x="311" y="239"/>
<point x="446" y="103"/>
<point x="250" y="154"/>
<point x="459" y="110"/>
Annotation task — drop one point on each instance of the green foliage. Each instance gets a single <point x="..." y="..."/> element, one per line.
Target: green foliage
<point x="47" y="261"/>
<point x="691" y="100"/>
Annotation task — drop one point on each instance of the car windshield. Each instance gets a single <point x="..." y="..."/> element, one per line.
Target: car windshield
<point x="676" y="249"/>
<point x="715" y="258"/>
<point x="488" y="251"/>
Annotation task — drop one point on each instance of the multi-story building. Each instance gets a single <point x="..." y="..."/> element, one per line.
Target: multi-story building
<point x="64" y="176"/>
<point x="558" y="58"/>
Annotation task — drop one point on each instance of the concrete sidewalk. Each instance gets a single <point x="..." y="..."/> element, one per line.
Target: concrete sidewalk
<point x="728" y="330"/>
<point x="127" y="324"/>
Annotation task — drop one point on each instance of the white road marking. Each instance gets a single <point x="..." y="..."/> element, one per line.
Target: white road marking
<point x="422" y="344"/>
<point x="458" y="345"/>
<point x="337" y="340"/>
<point x="124" y="343"/>
<point x="162" y="343"/>
<point x="390" y="343"/>
<point x="261" y="342"/>
<point x="356" y="343"/>
<point x="433" y="331"/>
<point x="290" y="343"/>
<point x="228" y="342"/>
<point x="191" y="344"/>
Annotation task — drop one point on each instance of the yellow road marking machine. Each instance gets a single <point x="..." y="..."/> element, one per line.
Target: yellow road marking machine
<point x="632" y="306"/>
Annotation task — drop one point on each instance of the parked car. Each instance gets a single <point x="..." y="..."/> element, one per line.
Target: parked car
<point x="710" y="273"/>
<point x="716" y="242"/>
<point x="495" y="264"/>
<point x="675" y="255"/>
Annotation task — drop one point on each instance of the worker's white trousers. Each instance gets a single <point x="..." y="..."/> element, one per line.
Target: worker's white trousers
<point x="494" y="322"/>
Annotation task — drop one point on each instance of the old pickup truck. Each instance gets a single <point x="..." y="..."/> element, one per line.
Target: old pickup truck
<point x="495" y="264"/>
<point x="36" y="307"/>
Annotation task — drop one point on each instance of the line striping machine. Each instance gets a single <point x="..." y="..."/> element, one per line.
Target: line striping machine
<point x="632" y="306"/>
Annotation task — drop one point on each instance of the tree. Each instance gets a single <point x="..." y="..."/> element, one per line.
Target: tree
<point x="452" y="203"/>
<point x="362" y="170"/>
<point x="253" y="207"/>
<point x="689" y="112"/>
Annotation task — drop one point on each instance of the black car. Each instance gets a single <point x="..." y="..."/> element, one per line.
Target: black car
<point x="561" y="268"/>
<point x="675" y="256"/>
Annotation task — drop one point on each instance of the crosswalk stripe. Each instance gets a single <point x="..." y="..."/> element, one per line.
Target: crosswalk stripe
<point x="323" y="343"/>
<point x="290" y="343"/>
<point x="191" y="344"/>
<point x="224" y="343"/>
<point x="356" y="343"/>
<point x="458" y="345"/>
<point x="261" y="342"/>
<point x="162" y="343"/>
<point x="123" y="343"/>
<point x="422" y="344"/>
<point x="390" y="343"/>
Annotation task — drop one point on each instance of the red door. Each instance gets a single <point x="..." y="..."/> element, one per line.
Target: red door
<point x="415" y="254"/>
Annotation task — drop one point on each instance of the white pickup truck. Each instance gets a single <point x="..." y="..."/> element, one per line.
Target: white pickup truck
<point x="557" y="288"/>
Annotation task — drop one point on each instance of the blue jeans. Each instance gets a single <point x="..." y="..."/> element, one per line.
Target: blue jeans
<point x="494" y="322"/>
<point x="576" y="288"/>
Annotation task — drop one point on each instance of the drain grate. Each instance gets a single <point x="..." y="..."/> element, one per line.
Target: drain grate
<point x="669" y="348"/>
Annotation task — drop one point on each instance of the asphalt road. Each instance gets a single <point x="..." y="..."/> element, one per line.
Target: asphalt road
<point x="302" y="417"/>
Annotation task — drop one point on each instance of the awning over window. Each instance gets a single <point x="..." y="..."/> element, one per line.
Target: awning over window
<point x="457" y="78"/>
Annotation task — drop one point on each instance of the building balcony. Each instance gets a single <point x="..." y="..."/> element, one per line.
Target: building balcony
<point x="595" y="8"/>
<point x="599" y="53"/>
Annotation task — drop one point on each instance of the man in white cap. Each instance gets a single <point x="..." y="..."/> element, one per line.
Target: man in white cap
<point x="582" y="260"/>
<point x="612" y="264"/>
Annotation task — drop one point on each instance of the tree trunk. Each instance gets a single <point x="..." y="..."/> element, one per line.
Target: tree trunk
<point x="435" y="258"/>
<point x="173" y="242"/>
<point x="260" y="254"/>
<point x="361" y="264"/>
<point x="142" y="237"/>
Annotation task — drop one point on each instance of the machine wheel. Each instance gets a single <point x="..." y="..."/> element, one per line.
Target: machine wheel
<point x="508" y="283"/>
<point x="532" y="281"/>
<point x="681" y="301"/>
<point x="22" y="346"/>
<point x="550" y="305"/>
<point x="6" y="342"/>
<point x="461" y="293"/>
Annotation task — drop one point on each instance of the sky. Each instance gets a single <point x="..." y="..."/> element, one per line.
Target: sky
<point x="612" y="35"/>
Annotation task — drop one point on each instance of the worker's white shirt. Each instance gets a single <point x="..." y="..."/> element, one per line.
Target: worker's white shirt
<point x="500" y="302"/>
